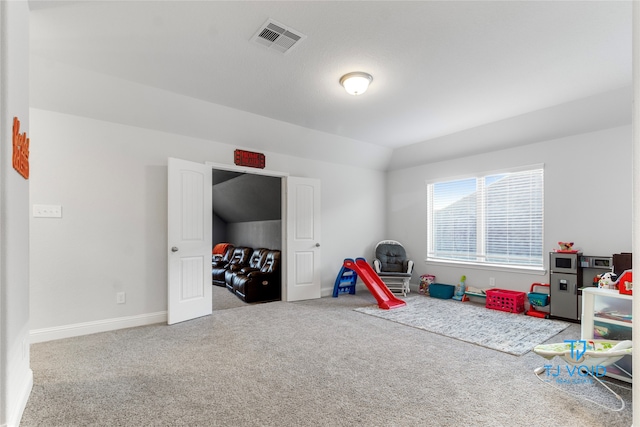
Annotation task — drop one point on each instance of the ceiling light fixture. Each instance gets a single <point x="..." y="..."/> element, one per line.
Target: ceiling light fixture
<point x="356" y="83"/>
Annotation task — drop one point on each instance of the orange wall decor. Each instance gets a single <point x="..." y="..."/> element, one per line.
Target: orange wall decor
<point x="20" y="150"/>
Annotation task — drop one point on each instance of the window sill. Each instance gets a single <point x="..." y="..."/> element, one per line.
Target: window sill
<point x="538" y="271"/>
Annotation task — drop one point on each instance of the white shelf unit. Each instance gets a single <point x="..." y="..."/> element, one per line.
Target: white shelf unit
<point x="606" y="314"/>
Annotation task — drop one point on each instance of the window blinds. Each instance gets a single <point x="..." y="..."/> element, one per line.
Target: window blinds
<point x="494" y="219"/>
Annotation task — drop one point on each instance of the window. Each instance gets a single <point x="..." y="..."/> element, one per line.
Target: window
<point x="494" y="219"/>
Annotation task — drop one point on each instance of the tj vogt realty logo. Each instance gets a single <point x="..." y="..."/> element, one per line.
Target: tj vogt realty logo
<point x="576" y="371"/>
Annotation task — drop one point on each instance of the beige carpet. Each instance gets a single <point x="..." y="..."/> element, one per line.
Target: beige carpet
<point x="310" y="363"/>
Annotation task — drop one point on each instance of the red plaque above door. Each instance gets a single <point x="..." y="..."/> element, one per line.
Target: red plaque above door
<point x="249" y="158"/>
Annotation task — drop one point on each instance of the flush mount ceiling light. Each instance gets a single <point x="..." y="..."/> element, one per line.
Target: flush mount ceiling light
<point x="356" y="83"/>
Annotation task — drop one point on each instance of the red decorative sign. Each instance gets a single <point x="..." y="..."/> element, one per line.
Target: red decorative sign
<point x="20" y="150"/>
<point x="249" y="158"/>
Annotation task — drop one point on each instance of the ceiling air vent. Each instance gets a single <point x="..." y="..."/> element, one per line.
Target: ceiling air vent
<point x="277" y="36"/>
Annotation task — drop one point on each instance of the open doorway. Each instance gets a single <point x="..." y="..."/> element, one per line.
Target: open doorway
<point x="189" y="243"/>
<point x="246" y="219"/>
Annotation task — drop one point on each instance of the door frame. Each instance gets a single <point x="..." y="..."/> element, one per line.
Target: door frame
<point x="283" y="208"/>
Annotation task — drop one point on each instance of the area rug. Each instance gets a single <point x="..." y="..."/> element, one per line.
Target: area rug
<point x="511" y="333"/>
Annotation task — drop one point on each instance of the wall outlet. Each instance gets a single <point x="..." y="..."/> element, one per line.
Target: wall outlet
<point x="47" y="211"/>
<point x="492" y="281"/>
<point x="120" y="298"/>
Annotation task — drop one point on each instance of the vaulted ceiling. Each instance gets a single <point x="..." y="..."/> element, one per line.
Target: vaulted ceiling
<point x="439" y="67"/>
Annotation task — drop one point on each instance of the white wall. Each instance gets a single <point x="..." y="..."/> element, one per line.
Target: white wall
<point x="111" y="181"/>
<point x="16" y="378"/>
<point x="587" y="200"/>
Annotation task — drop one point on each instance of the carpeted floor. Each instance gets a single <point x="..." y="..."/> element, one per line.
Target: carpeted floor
<point x="308" y="363"/>
<point x="509" y="332"/>
<point x="223" y="299"/>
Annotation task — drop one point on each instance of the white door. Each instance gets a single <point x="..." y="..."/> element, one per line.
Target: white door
<point x="189" y="240"/>
<point x="303" y="239"/>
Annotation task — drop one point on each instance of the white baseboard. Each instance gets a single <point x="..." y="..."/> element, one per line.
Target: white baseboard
<point x="79" y="329"/>
<point x="23" y="398"/>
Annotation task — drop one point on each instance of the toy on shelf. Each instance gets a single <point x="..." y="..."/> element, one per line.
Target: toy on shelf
<point x="622" y="283"/>
<point x="625" y="282"/>
<point x="566" y="248"/>
<point x="608" y="281"/>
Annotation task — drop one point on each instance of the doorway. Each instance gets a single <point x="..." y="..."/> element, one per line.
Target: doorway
<point x="247" y="212"/>
<point x="190" y="210"/>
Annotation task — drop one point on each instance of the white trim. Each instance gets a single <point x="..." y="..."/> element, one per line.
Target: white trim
<point x="484" y="173"/>
<point x="25" y="391"/>
<point x="79" y="329"/>
<point x="489" y="267"/>
<point x="283" y="211"/>
<point x="244" y="169"/>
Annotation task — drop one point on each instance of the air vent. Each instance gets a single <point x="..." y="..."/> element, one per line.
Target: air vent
<point x="277" y="36"/>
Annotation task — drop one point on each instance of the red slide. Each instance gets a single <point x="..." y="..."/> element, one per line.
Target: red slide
<point x="386" y="299"/>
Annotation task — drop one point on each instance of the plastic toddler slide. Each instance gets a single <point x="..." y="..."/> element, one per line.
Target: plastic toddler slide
<point x="386" y="299"/>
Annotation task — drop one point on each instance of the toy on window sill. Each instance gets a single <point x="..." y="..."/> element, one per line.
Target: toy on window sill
<point x="566" y="247"/>
<point x="462" y="286"/>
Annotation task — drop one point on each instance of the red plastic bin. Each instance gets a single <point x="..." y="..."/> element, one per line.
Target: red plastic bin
<point x="505" y="300"/>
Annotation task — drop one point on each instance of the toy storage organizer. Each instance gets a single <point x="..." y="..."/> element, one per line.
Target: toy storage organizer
<point x="442" y="291"/>
<point x="505" y="300"/>
<point x="538" y="300"/>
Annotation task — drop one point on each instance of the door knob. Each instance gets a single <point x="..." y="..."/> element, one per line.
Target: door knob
<point x="317" y="245"/>
<point x="174" y="249"/>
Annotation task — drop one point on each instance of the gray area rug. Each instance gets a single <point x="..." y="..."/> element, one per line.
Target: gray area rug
<point x="511" y="333"/>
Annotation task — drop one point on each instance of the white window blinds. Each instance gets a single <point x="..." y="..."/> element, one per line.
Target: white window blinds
<point x="494" y="219"/>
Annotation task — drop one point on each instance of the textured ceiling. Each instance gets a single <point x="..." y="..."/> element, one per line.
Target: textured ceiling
<point x="439" y="67"/>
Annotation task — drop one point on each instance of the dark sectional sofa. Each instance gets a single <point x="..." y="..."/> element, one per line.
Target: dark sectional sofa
<point x="251" y="274"/>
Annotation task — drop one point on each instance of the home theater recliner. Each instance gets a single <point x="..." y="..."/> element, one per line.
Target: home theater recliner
<point x="254" y="263"/>
<point x="260" y="284"/>
<point x="236" y="259"/>
<point x="253" y="275"/>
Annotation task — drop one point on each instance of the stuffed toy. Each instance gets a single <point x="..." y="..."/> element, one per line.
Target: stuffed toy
<point x="425" y="281"/>
<point x="565" y="246"/>
<point x="607" y="280"/>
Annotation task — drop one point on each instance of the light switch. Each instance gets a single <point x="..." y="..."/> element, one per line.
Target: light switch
<point x="47" y="211"/>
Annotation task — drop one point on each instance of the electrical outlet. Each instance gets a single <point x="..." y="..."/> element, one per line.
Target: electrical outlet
<point x="120" y="298"/>
<point x="47" y="211"/>
<point x="492" y="281"/>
